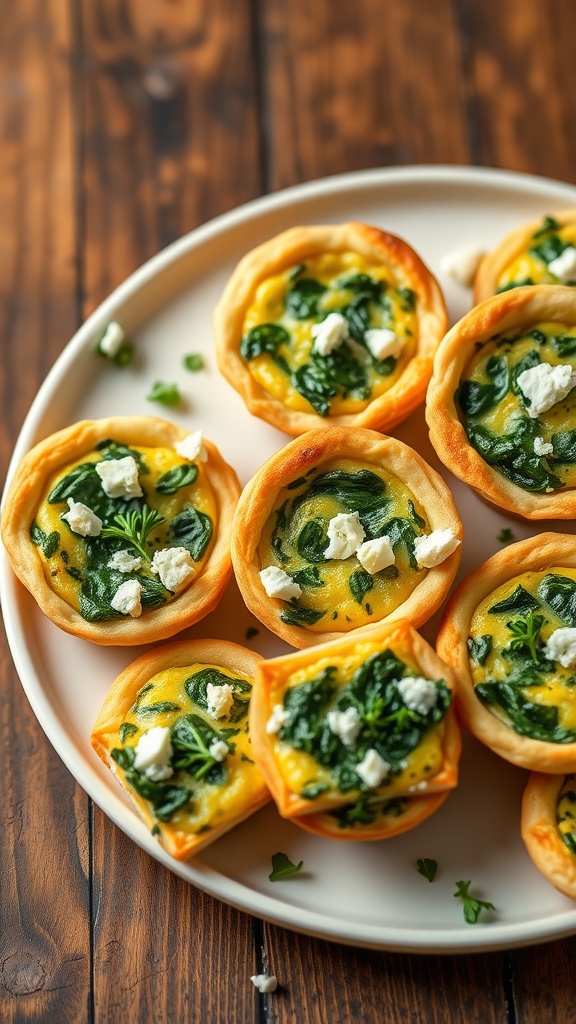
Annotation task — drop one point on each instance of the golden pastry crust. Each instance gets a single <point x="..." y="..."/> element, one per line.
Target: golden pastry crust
<point x="294" y="247"/>
<point x="540" y="832"/>
<point x="536" y="554"/>
<point x="415" y="811"/>
<point x="521" y="308"/>
<point x="59" y="450"/>
<point x="271" y="677"/>
<point x="120" y="699"/>
<point x="319" y="450"/>
<point x="507" y="251"/>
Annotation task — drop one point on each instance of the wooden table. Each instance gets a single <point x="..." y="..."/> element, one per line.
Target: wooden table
<point x="123" y="124"/>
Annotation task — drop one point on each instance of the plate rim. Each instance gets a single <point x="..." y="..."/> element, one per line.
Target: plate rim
<point x="238" y="894"/>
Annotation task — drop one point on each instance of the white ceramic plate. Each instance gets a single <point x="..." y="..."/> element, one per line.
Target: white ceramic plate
<point x="363" y="894"/>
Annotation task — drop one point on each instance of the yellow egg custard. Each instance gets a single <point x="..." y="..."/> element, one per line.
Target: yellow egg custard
<point x="549" y="828"/>
<point x="120" y="528"/>
<point x="509" y="633"/>
<point x="502" y="401"/>
<point x="350" y="726"/>
<point x="328" y="534"/>
<point x="174" y="730"/>
<point x="542" y="252"/>
<point x="333" y="322"/>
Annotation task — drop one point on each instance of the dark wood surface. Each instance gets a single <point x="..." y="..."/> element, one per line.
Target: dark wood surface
<point x="123" y="124"/>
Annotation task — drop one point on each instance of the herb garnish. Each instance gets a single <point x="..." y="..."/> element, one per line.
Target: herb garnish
<point x="193" y="362"/>
<point x="471" y="907"/>
<point x="165" y="394"/>
<point x="282" y="867"/>
<point x="506" y="536"/>
<point x="427" y="867"/>
<point x="134" y="528"/>
<point x="525" y="632"/>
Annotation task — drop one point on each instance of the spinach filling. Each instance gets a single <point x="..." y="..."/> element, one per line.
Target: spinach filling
<point x="567" y="812"/>
<point x="127" y="523"/>
<point x="387" y="724"/>
<point x="347" y="370"/>
<point x="367" y="809"/>
<point x="528" y="667"/>
<point x="191" y="737"/>
<point x="546" y="246"/>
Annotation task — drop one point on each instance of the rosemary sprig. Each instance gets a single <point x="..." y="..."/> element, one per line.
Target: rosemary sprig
<point x="134" y="528"/>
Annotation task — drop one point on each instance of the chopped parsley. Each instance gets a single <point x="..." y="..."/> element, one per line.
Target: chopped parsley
<point x="427" y="867"/>
<point x="282" y="867"/>
<point x="472" y="907"/>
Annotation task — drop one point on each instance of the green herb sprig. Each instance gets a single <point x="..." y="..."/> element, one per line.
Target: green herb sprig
<point x="471" y="907"/>
<point x="165" y="394"/>
<point x="525" y="632"/>
<point x="427" y="867"/>
<point x="134" y="528"/>
<point x="282" y="867"/>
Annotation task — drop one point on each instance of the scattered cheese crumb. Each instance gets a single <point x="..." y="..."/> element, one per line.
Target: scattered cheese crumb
<point x="279" y="717"/>
<point x="119" y="477"/>
<point x="329" y="333"/>
<point x="82" y="520"/>
<point x="418" y="694"/>
<point x="278" y="583"/>
<point x="372" y="768"/>
<point x="125" y="561"/>
<point x="174" y="566"/>
<point x="462" y="263"/>
<point x="433" y="548"/>
<point x="544" y="385"/>
<point x="265" y="983"/>
<point x="345" y="724"/>
<point x="126" y="600"/>
<point x="111" y="341"/>
<point x="192" y="447"/>
<point x="564" y="266"/>
<point x="220" y="699"/>
<point x="218" y="750"/>
<point x="383" y="343"/>
<point x="561" y="647"/>
<point x="345" y="533"/>
<point x="375" y="555"/>
<point x="542" y="447"/>
<point x="153" y="754"/>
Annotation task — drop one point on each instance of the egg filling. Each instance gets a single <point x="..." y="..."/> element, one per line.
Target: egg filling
<point x="140" y="551"/>
<point x="536" y="264"/>
<point x="566" y="812"/>
<point x="289" y="353"/>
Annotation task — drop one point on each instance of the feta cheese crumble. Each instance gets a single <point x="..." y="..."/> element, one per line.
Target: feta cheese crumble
<point x="542" y="447"/>
<point x="375" y="555"/>
<point x="372" y="768"/>
<point x="418" y="694"/>
<point x="125" y="561"/>
<point x="544" y="385"/>
<point x="265" y="983"/>
<point x="111" y="341"/>
<point x="279" y="717"/>
<point x="564" y="266"/>
<point x="345" y="533"/>
<point x="119" y="477"/>
<point x="220" y="698"/>
<point x="329" y="334"/>
<point x="433" y="548"/>
<point x="218" y="750"/>
<point x="462" y="263"/>
<point x="192" y="447"/>
<point x="345" y="724"/>
<point x="126" y="600"/>
<point x="278" y="583"/>
<point x="561" y="647"/>
<point x="174" y="566"/>
<point x="82" y="520"/>
<point x="382" y="342"/>
<point x="154" y="753"/>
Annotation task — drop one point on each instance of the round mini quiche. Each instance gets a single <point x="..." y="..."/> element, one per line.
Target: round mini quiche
<point x="120" y="528"/>
<point x="541" y="252"/>
<point x="501" y="404"/>
<point x="174" y="730"/>
<point x="334" y="322"/>
<point x="341" y="529"/>
<point x="343" y="731"/>
<point x="549" y="828"/>
<point x="509" y="634"/>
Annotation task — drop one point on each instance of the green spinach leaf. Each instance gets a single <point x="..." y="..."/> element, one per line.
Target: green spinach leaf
<point x="48" y="542"/>
<point x="559" y="593"/>
<point x="180" y="476"/>
<point x="265" y="338"/>
<point x="479" y="647"/>
<point x="360" y="583"/>
<point x="303" y="297"/>
<point x="518" y="601"/>
<point x="191" y="530"/>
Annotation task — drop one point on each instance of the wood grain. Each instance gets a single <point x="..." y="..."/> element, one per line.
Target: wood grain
<point x="543" y="984"/>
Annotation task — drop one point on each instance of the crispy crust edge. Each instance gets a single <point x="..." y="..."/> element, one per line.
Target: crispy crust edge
<point x="506" y="251"/>
<point x="540" y="833"/>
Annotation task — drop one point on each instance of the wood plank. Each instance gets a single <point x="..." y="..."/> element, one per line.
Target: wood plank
<point x="358" y="85"/>
<point x="45" y="945"/>
<point x="543" y="980"/>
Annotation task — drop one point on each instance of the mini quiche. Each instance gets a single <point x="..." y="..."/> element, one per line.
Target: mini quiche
<point x="337" y="323"/>
<point x="549" y="828"/>
<point x="340" y="529"/>
<point x="120" y="528"/>
<point x="174" y="730"/>
<point x="542" y="252"/>
<point x="501" y="404"/>
<point x="349" y="727"/>
<point x="509" y="634"/>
